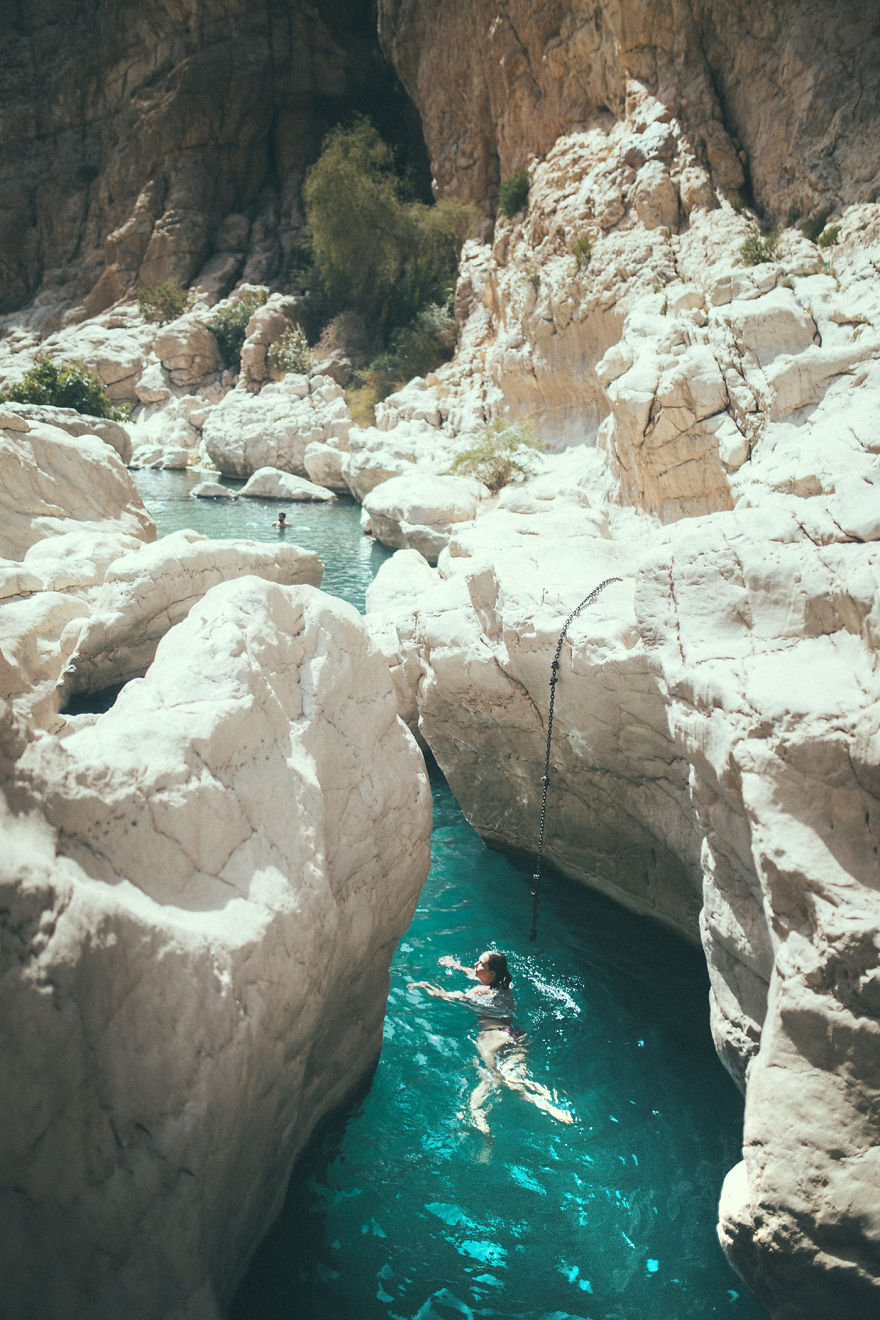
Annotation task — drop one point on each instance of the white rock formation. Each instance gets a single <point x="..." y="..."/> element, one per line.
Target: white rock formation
<point x="173" y="457"/>
<point x="268" y="324"/>
<point x="765" y="626"/>
<point x="74" y="423"/>
<point x="147" y="592"/>
<point x="420" y="510"/>
<point x="188" y="351"/>
<point x="722" y="726"/>
<point x="248" y="431"/>
<point x="198" y="920"/>
<point x="376" y="455"/>
<point x="269" y="483"/>
<point x="52" y="482"/>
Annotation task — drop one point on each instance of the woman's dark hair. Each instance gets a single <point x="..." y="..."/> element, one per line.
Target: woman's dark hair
<point x="497" y="963"/>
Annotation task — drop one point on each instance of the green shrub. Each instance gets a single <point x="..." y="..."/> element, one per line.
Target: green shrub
<point x="290" y="353"/>
<point x="582" y="250"/>
<point x="376" y="251"/>
<point x="504" y="452"/>
<point x="737" y="201"/>
<point x="829" y="236"/>
<point x="230" y="325"/>
<point x="812" y="227"/>
<point x="757" y="248"/>
<point x="64" y="385"/>
<point x="513" y="193"/>
<point x="416" y="349"/>
<point x="164" y="302"/>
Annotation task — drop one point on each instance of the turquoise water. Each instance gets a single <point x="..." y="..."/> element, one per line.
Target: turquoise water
<point x="401" y="1209"/>
<point x="333" y="531"/>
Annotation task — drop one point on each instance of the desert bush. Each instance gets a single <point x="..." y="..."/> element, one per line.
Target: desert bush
<point x="64" y="385"/>
<point x="230" y="325"/>
<point x="290" y="353"/>
<point x="415" y="349"/>
<point x="513" y="193"/>
<point x="503" y="452"/>
<point x="582" y="250"/>
<point x="812" y="227"/>
<point x="758" y="248"/>
<point x="828" y="237"/>
<point x="164" y="302"/>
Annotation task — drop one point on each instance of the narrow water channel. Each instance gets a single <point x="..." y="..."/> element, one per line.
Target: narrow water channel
<point x="401" y="1209"/>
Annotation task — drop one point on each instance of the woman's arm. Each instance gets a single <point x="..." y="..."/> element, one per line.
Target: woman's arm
<point x="435" y="990"/>
<point x="448" y="961"/>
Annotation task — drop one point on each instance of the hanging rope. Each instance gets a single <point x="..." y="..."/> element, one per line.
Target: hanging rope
<point x="545" y="778"/>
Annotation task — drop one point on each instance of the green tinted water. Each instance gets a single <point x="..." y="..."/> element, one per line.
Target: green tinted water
<point x="401" y="1208"/>
<point x="333" y="531"/>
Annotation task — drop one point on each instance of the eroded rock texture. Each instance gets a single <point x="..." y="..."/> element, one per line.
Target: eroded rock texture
<point x="201" y="894"/>
<point x="174" y="141"/>
<point x="498" y="83"/>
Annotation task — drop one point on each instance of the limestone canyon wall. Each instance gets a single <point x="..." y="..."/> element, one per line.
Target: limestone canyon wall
<point x="165" y="140"/>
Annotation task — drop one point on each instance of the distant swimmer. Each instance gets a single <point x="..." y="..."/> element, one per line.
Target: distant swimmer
<point x="501" y="1045"/>
<point x="282" y="523"/>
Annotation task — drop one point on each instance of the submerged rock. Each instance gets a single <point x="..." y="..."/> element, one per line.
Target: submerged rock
<point x="201" y="894"/>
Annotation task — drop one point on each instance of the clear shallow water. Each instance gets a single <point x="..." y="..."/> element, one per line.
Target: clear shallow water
<point x="401" y="1209"/>
<point x="333" y="531"/>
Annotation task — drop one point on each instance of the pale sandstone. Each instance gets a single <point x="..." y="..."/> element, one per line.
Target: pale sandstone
<point x="766" y="643"/>
<point x="420" y="510"/>
<point x="54" y="483"/>
<point x="211" y="490"/>
<point x="196" y="952"/>
<point x="268" y="483"/>
<point x="73" y="423"/>
<point x="248" y="431"/>
<point x="147" y="592"/>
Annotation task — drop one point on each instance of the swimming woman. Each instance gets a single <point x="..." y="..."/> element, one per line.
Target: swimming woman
<point x="500" y="1044"/>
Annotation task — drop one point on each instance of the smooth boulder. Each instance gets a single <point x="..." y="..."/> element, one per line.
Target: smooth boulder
<point x="201" y="895"/>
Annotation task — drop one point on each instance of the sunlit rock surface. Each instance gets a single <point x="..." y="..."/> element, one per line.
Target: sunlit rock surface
<point x="53" y="482"/>
<point x="201" y="893"/>
<point x="248" y="431"/>
<point x="147" y="592"/>
<point x="269" y="483"/>
<point x="419" y="511"/>
<point x="766" y="626"/>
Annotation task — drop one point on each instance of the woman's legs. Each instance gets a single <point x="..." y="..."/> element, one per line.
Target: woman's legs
<point x="505" y="1063"/>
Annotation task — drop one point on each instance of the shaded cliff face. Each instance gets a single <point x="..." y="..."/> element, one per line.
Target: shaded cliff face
<point x="779" y="99"/>
<point x="161" y="140"/>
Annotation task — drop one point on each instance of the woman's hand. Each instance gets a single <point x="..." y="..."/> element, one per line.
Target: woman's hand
<point x="448" y="961"/>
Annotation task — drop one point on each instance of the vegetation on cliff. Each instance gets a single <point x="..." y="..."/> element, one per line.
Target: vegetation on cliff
<point x="64" y="385"/>
<point x="503" y="452"/>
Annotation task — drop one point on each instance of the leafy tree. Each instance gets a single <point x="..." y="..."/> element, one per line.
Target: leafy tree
<point x="356" y="218"/>
<point x="376" y="251"/>
<point x="64" y="385"/>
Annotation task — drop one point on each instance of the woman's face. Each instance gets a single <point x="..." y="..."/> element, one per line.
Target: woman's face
<point x="481" y="968"/>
